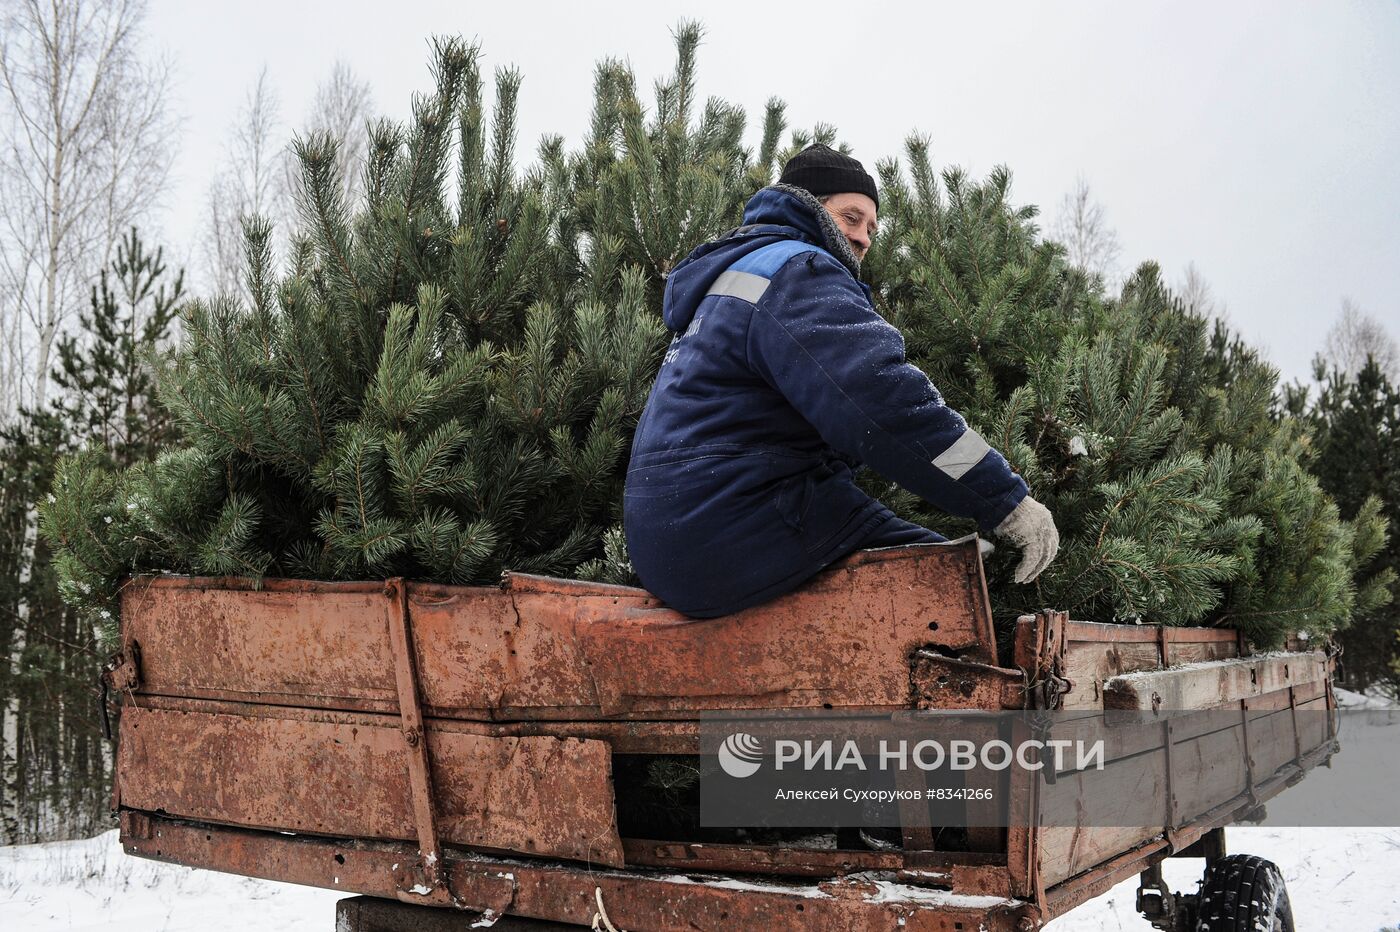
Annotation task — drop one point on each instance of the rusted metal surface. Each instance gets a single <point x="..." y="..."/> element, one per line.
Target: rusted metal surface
<point x="372" y="914"/>
<point x="424" y="879"/>
<point x="915" y="831"/>
<point x="957" y="871"/>
<point x="540" y="648"/>
<point x="757" y="859"/>
<point x="120" y="674"/>
<point x="122" y="671"/>
<point x="1040" y="650"/>
<point x="843" y="640"/>
<point x="490" y="661"/>
<point x="506" y="704"/>
<point x="221" y="638"/>
<point x="631" y="737"/>
<point x="657" y="901"/>
<point x="537" y="795"/>
<point x="940" y="682"/>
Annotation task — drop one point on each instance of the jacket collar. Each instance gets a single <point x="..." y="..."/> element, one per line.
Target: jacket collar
<point x="786" y="205"/>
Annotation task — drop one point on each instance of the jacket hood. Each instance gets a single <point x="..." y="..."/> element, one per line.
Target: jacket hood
<point x="776" y="212"/>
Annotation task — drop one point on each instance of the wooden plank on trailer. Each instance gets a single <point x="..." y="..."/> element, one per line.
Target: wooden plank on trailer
<point x="1271" y="743"/>
<point x="539" y="796"/>
<point x="1306" y="692"/>
<point x="1128" y="733"/>
<point x="1208" y="770"/>
<point x="1096" y="652"/>
<point x="1190" y="635"/>
<point x="1089" y="663"/>
<point x="1278" y="699"/>
<point x="1312" y="723"/>
<point x="1199" y="651"/>
<point x="1067" y="849"/>
<point x="1120" y="740"/>
<point x="1212" y="684"/>
<point x="1101" y="632"/>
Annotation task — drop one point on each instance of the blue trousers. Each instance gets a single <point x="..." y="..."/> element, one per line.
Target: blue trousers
<point x="896" y="532"/>
<point x="892" y="532"/>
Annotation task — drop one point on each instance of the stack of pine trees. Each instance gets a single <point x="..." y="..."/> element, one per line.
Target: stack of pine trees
<point x="440" y="382"/>
<point x="1150" y="432"/>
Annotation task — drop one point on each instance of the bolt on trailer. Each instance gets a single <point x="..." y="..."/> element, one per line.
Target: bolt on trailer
<point x="452" y="756"/>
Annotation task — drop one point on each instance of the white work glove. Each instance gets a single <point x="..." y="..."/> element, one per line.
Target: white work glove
<point x="1031" y="528"/>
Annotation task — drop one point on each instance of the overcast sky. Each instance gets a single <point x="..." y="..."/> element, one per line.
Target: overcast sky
<point x="1260" y="141"/>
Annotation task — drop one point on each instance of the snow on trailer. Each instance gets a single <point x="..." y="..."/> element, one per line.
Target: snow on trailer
<point x="456" y="746"/>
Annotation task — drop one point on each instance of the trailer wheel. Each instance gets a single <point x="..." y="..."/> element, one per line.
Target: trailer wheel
<point x="1243" y="893"/>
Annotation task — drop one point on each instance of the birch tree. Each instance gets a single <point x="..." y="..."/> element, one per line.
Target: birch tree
<point x="1357" y="335"/>
<point x="252" y="182"/>
<point x="343" y="107"/>
<point x="86" y="150"/>
<point x="1197" y="294"/>
<point x="1082" y="227"/>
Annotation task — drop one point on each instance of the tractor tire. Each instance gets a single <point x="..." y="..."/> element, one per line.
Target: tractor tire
<point x="1243" y="893"/>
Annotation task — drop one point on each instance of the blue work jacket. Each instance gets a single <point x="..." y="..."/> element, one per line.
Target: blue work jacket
<point x="781" y="380"/>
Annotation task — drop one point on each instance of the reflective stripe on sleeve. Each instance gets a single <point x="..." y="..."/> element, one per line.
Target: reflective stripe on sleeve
<point x="966" y="452"/>
<point x="743" y="285"/>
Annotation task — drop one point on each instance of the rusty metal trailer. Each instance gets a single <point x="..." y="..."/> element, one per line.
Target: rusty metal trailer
<point x="454" y="747"/>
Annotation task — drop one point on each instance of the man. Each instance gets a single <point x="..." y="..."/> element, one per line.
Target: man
<point x="781" y="380"/>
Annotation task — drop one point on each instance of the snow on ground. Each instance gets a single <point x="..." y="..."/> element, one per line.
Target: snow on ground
<point x="1339" y="879"/>
<point x="92" y="885"/>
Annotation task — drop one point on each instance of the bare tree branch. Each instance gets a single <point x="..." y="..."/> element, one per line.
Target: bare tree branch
<point x="86" y="150"/>
<point x="1356" y="336"/>
<point x="252" y="182"/>
<point x="1195" y="292"/>
<point x="344" y="107"/>
<point x="1090" y="243"/>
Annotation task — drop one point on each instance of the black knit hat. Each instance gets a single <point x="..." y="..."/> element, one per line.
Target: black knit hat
<point x="822" y="170"/>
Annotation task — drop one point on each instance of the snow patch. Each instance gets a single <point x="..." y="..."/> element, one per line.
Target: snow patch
<point x="731" y="883"/>
<point x="1148" y="675"/>
<point x="93" y="886"/>
<point x="1373" y="698"/>
<point x="886" y="891"/>
<point x="1329" y="872"/>
<point x="488" y="918"/>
